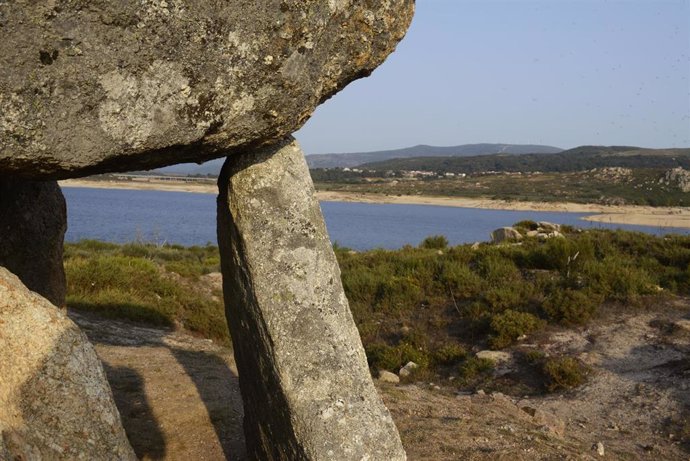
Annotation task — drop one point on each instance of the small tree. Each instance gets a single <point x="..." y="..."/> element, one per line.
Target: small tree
<point x="434" y="242"/>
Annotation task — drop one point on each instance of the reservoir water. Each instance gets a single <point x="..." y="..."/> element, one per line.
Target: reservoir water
<point x="190" y="219"/>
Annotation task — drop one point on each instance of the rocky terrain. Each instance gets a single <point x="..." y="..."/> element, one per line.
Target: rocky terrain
<point x="179" y="396"/>
<point x="677" y="176"/>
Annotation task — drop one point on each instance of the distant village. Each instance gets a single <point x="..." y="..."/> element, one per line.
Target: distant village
<point x="421" y="174"/>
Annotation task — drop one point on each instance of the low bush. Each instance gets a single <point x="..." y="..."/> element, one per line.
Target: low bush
<point x="449" y="354"/>
<point x="413" y="304"/>
<point x="434" y="242"/>
<point x="563" y="373"/>
<point x="619" y="278"/>
<point x="473" y="368"/>
<point x="508" y="326"/>
<point x="571" y="307"/>
<point x="384" y="357"/>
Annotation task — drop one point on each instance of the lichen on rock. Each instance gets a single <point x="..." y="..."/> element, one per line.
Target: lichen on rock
<point x="307" y="391"/>
<point x="128" y="85"/>
<point x="55" y="402"/>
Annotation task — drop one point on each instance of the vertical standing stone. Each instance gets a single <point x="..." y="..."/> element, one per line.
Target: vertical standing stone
<point x="33" y="221"/>
<point x="307" y="391"/>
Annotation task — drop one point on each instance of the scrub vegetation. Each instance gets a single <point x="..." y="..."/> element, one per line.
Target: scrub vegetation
<point x="434" y="305"/>
<point x="641" y="187"/>
<point x="588" y="174"/>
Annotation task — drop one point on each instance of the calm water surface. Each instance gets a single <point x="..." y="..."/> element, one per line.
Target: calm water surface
<point x="190" y="219"/>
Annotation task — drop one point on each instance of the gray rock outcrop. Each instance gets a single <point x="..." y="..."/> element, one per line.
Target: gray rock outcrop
<point x="307" y="391"/>
<point x="545" y="226"/>
<point x="388" y="377"/>
<point x="55" y="402"/>
<point x="103" y="86"/>
<point x="678" y="177"/>
<point x="503" y="234"/>
<point x="33" y="221"/>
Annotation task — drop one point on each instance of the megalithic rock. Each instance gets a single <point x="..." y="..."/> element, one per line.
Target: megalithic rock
<point x="100" y="85"/>
<point x="55" y="401"/>
<point x="307" y="391"/>
<point x="33" y="221"/>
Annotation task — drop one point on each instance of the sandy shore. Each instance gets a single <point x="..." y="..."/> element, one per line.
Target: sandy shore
<point x="136" y="185"/>
<point x="678" y="217"/>
<point x="629" y="214"/>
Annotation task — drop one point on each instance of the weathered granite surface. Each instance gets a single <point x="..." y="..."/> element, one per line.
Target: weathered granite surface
<point x="55" y="402"/>
<point x="101" y="85"/>
<point x="33" y="221"/>
<point x="304" y="378"/>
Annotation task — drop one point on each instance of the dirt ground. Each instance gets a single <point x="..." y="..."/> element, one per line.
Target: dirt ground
<point x="179" y="397"/>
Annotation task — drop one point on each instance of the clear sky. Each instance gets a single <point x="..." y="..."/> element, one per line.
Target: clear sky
<point x="556" y="72"/>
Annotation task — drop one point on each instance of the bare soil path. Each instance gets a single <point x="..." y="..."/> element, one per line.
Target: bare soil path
<point x="179" y="397"/>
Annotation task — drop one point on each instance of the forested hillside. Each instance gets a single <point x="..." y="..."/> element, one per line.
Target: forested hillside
<point x="577" y="159"/>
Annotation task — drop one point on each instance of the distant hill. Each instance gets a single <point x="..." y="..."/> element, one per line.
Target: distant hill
<point x="577" y="159"/>
<point x="359" y="158"/>
<point x="211" y="167"/>
<point x="354" y="159"/>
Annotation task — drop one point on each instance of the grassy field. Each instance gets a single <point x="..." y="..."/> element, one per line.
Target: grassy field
<point x="432" y="304"/>
<point x="640" y="187"/>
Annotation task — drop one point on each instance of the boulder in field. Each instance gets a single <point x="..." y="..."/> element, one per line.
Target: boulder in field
<point x="407" y="369"/>
<point x="388" y="377"/>
<point x="548" y="226"/>
<point x="505" y="234"/>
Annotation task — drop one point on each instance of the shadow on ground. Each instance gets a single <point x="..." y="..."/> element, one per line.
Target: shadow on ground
<point x="218" y="388"/>
<point x="140" y="424"/>
<point x="178" y="395"/>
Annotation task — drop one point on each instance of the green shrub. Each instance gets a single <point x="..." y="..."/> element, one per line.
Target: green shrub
<point x="396" y="294"/>
<point x="416" y="338"/>
<point x="619" y="278"/>
<point x="508" y="326"/>
<point x="565" y="373"/>
<point x="457" y="278"/>
<point x="497" y="269"/>
<point x="434" y="242"/>
<point x="526" y="224"/>
<point x="571" y="307"/>
<point x="139" y="289"/>
<point x="474" y="367"/>
<point x="449" y="354"/>
<point x="455" y="300"/>
<point x="384" y="357"/>
<point x="184" y="268"/>
<point x="561" y="254"/>
<point x="535" y="357"/>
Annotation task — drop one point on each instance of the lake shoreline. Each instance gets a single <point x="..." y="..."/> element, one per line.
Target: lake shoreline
<point x="676" y="217"/>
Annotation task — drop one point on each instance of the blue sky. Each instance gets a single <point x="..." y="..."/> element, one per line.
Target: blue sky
<point x="556" y="72"/>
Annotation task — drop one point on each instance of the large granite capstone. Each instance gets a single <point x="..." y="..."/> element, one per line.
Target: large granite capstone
<point x="101" y="85"/>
